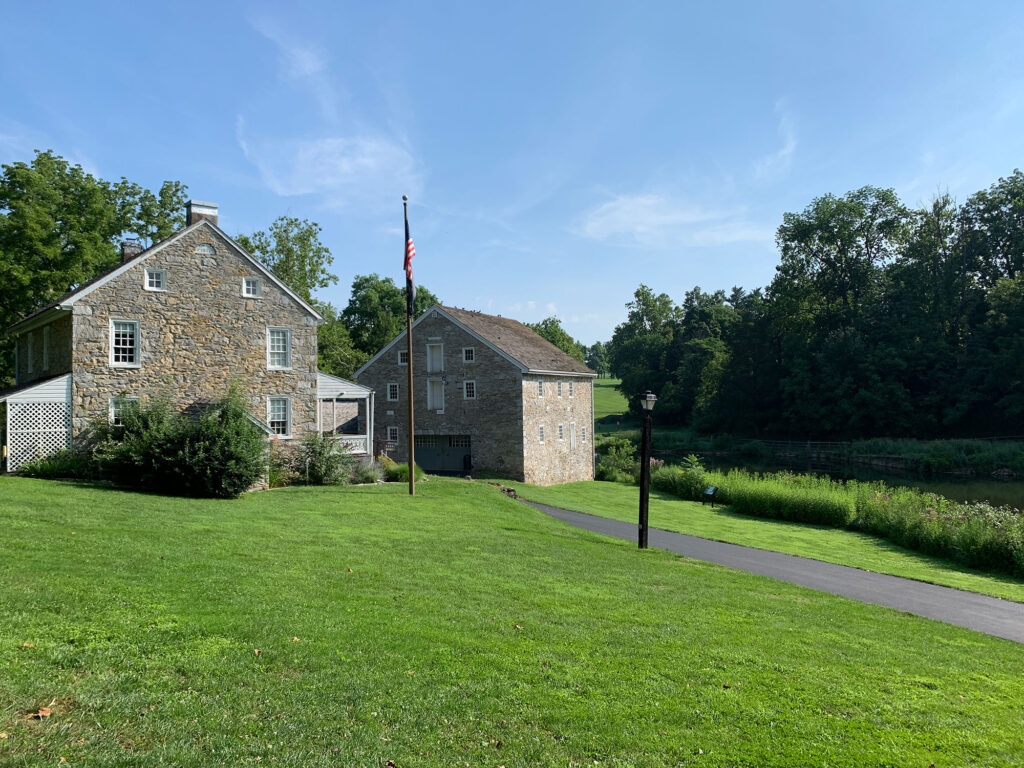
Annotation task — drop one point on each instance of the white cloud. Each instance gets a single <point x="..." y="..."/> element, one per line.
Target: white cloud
<point x="550" y="307"/>
<point x="778" y="162"/>
<point x="661" y="221"/>
<point x="366" y="171"/>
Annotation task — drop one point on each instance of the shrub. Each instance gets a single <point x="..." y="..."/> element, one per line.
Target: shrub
<point x="367" y="472"/>
<point x="67" y="464"/>
<point x="281" y="460"/>
<point x="221" y="453"/>
<point x="618" y="459"/>
<point x="321" y="460"/>
<point x="399" y="473"/>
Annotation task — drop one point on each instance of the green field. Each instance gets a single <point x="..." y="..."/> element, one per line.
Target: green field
<point x="455" y="628"/>
<point x="607" y="399"/>
<point x="834" y="545"/>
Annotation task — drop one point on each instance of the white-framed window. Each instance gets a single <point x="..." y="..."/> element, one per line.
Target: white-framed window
<point x="30" y="365"/>
<point x="435" y="395"/>
<point x="540" y="389"/>
<point x="124" y="343"/>
<point x="426" y="441"/>
<point x="205" y="249"/>
<point x="469" y="390"/>
<point x="46" y="348"/>
<point x="252" y="287"/>
<point x="583" y="435"/>
<point x="279" y="348"/>
<point x="156" y="280"/>
<point x="403" y="357"/>
<point x="558" y="388"/>
<point x="571" y="389"/>
<point x="561" y="432"/>
<point x="435" y="358"/>
<point x="469" y="354"/>
<point x="459" y="441"/>
<point x="279" y="416"/>
<point x="392" y="434"/>
<point x="572" y="435"/>
<point x="393" y="392"/>
<point x="115" y="410"/>
<point x="541" y="434"/>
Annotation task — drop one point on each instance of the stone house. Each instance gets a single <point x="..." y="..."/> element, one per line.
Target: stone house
<point x="489" y="393"/>
<point x="184" y="318"/>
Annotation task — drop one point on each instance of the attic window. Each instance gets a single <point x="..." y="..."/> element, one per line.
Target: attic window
<point x="156" y="280"/>
<point x="403" y="357"/>
<point x="468" y="355"/>
<point x="205" y="249"/>
<point x="252" y="287"/>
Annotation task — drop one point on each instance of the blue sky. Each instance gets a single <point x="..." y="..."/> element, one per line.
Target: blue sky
<point x="556" y="155"/>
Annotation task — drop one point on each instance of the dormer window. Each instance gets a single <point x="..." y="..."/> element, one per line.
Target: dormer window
<point x="156" y="280"/>
<point x="205" y="249"/>
<point x="252" y="287"/>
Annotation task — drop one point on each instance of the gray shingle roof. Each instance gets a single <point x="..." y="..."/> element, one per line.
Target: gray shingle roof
<point x="519" y="342"/>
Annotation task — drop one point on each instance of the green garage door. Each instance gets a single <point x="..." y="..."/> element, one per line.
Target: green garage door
<point x="444" y="453"/>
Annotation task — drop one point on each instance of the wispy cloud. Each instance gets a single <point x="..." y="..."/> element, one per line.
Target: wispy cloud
<point x="303" y="62"/>
<point x="661" y="221"/>
<point x="366" y="170"/>
<point x="778" y="162"/>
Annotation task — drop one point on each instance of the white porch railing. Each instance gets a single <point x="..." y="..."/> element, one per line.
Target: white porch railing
<point x="355" y="443"/>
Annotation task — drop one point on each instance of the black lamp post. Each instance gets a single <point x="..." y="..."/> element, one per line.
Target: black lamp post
<point x="647" y="400"/>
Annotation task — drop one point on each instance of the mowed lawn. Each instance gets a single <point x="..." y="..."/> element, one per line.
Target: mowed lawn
<point x="456" y="628"/>
<point x="818" y="542"/>
<point x="607" y="399"/>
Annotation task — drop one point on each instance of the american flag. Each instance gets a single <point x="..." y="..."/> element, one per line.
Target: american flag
<point x="410" y="252"/>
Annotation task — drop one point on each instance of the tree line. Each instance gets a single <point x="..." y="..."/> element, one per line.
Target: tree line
<point x="881" y="320"/>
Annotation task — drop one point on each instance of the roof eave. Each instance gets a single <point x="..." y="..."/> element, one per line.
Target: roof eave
<point x="45" y="317"/>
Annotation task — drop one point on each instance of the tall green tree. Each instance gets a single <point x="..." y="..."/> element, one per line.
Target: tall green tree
<point x="640" y="346"/>
<point x="551" y="329"/>
<point x="60" y="227"/>
<point x="336" y="354"/>
<point x="375" y="313"/>
<point x="292" y="250"/>
<point x="597" y="359"/>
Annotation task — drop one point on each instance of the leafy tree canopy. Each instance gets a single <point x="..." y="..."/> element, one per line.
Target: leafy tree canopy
<point x="551" y="329"/>
<point x="376" y="311"/>
<point x="291" y="248"/>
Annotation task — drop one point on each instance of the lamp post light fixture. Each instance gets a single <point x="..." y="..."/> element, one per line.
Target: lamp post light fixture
<point x="647" y="401"/>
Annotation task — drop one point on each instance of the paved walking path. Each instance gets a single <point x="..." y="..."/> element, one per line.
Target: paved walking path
<point x="991" y="615"/>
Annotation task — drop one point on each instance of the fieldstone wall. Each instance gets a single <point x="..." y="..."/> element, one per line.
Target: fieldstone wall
<point x="196" y="337"/>
<point x="51" y="351"/>
<point x="494" y="420"/>
<point x="558" y="460"/>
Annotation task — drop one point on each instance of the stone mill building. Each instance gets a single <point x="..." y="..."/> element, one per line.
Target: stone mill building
<point x="489" y="393"/>
<point x="184" y="318"/>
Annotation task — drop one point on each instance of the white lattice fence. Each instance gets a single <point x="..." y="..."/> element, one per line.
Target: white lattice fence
<point x="36" y="429"/>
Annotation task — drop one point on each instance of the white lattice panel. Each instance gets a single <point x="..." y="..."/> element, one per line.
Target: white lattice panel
<point x="36" y="429"/>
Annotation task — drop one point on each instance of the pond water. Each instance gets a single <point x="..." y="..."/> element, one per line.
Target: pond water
<point x="1000" y="492"/>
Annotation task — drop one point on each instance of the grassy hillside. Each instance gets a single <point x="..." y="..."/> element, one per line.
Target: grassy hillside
<point x="455" y="628"/>
<point x="607" y="399"/>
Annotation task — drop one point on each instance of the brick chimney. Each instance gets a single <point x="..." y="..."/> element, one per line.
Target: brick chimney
<point x="130" y="249"/>
<point x="197" y="209"/>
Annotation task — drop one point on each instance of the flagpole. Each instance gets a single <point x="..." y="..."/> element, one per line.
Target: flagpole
<point x="408" y="339"/>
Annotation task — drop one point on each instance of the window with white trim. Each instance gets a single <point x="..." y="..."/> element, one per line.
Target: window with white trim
<point x="115" y="410"/>
<point x="542" y="434"/>
<point x="469" y="354"/>
<point x="570" y="389"/>
<point x="558" y="388"/>
<point x="392" y="434"/>
<point x="279" y="348"/>
<point x="572" y="435"/>
<point x="561" y="432"/>
<point x="392" y="392"/>
<point x="279" y="416"/>
<point x="540" y="389"/>
<point x="403" y="357"/>
<point x="252" y="287"/>
<point x="469" y="390"/>
<point x="124" y="344"/>
<point x="205" y="249"/>
<point x="435" y="395"/>
<point x="156" y="280"/>
<point x="435" y="358"/>
<point x="583" y="435"/>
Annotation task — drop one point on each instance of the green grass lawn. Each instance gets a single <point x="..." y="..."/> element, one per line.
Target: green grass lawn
<point x="833" y="545"/>
<point x="607" y="399"/>
<point x="455" y="628"/>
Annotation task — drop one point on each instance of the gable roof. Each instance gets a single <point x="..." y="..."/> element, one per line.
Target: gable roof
<point x="517" y="343"/>
<point x="66" y="301"/>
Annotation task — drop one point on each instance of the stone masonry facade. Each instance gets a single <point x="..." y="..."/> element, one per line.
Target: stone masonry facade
<point x="493" y="420"/>
<point x="196" y="337"/>
<point x="503" y="420"/>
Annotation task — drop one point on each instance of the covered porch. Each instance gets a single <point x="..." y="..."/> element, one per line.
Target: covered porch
<point x="345" y="412"/>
